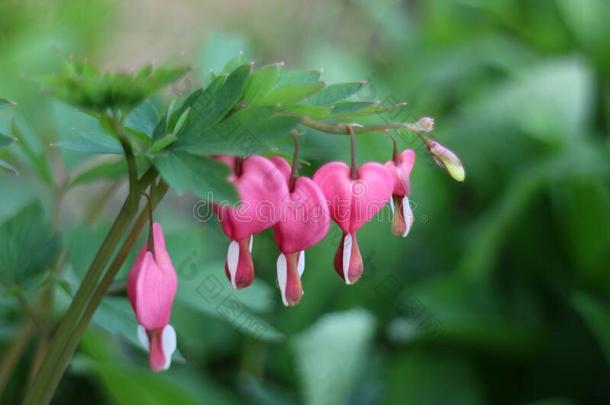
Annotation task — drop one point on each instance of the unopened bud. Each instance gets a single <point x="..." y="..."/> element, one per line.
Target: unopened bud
<point x="426" y="124"/>
<point x="446" y="159"/>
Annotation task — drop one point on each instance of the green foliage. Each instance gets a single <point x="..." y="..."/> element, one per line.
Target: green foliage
<point x="81" y="84"/>
<point x="28" y="246"/>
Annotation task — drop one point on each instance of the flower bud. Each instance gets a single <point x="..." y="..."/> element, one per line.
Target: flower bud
<point x="446" y="159"/>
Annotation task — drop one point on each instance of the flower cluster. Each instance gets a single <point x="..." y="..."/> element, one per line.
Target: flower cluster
<point x="299" y="210"/>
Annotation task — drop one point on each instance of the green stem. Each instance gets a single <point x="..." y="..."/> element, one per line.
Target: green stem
<point x="294" y="172"/>
<point x="342" y="128"/>
<point x="101" y="290"/>
<point x="48" y="370"/>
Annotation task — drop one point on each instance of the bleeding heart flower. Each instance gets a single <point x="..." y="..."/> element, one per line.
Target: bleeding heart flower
<point x="353" y="202"/>
<point x="304" y="221"/>
<point x="400" y="167"/>
<point x="261" y="187"/>
<point x="151" y="288"/>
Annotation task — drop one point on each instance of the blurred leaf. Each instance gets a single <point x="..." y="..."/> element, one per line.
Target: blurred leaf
<point x="213" y="295"/>
<point x="83" y="85"/>
<point x="430" y="379"/>
<point x="102" y="169"/>
<point x="204" y="177"/>
<point x="331" y="353"/>
<point x="96" y="142"/>
<point x="215" y="101"/>
<point x="535" y="101"/>
<point x="261" y="82"/>
<point x="7" y="167"/>
<point x="29" y="144"/>
<point x="145" y="387"/>
<point x="6" y="103"/>
<point x="6" y="140"/>
<point x="595" y="313"/>
<point x="27" y="246"/>
<point x="580" y="205"/>
<point x="335" y="93"/>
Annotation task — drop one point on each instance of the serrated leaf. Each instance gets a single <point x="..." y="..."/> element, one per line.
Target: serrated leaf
<point x="27" y="246"/>
<point x="244" y="132"/>
<point x="216" y="101"/>
<point x="204" y="177"/>
<point x="353" y="106"/>
<point x="92" y="142"/>
<point x="7" y="167"/>
<point x="6" y="140"/>
<point x="335" y="92"/>
<point x="292" y="94"/>
<point x="261" y="82"/>
<point x="295" y="77"/>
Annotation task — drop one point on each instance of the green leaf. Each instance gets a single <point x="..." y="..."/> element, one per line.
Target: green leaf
<point x="318" y="112"/>
<point x="233" y="64"/>
<point x="83" y="85"/>
<point x="27" y="246"/>
<point x="6" y="103"/>
<point x="244" y="132"/>
<point x="103" y="169"/>
<point x="92" y="142"/>
<point x="334" y="93"/>
<point x="340" y="338"/>
<point x="216" y="101"/>
<point x="204" y="177"/>
<point x="595" y="313"/>
<point x="291" y="94"/>
<point x="7" y="167"/>
<point x="261" y="82"/>
<point x="6" y="140"/>
<point x="211" y="294"/>
<point x="143" y="119"/>
<point x="297" y="77"/>
<point x="349" y="110"/>
<point x="144" y="386"/>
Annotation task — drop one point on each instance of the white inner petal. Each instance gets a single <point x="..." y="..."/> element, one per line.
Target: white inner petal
<point x="282" y="276"/>
<point x="392" y="205"/>
<point x="301" y="263"/>
<point x="347" y="254"/>
<point x="407" y="214"/>
<point x="143" y="337"/>
<point x="251" y="242"/>
<point x="168" y="343"/>
<point x="233" y="260"/>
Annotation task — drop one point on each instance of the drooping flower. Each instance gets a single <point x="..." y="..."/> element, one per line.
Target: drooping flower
<point x="353" y="201"/>
<point x="304" y="221"/>
<point x="151" y="288"/>
<point x="261" y="188"/>
<point x="400" y="167"/>
<point x="446" y="159"/>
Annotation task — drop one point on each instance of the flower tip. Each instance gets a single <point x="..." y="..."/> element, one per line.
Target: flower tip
<point x="446" y="160"/>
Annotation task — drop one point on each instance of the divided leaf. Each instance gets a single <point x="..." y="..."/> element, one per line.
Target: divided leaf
<point x="28" y="246"/>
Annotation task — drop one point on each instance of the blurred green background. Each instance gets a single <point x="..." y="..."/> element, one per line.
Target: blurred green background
<point x="500" y="294"/>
